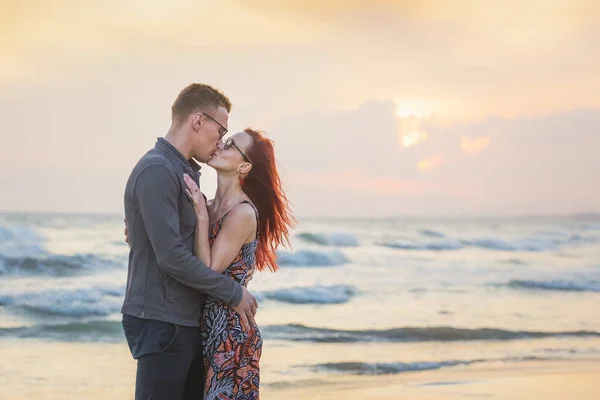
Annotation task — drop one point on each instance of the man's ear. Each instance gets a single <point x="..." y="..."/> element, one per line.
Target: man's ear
<point x="197" y="121"/>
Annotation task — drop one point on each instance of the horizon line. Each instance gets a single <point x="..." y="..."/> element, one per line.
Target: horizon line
<point x="593" y="214"/>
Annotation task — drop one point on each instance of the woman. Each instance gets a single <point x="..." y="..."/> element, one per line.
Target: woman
<point x="238" y="230"/>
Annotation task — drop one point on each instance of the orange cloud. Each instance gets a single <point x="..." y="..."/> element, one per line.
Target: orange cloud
<point x="430" y="163"/>
<point x="474" y="146"/>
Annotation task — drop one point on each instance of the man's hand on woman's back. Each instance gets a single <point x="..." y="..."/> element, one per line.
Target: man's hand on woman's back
<point x="247" y="309"/>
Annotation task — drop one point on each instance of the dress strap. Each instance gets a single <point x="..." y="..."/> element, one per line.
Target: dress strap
<point x="255" y="213"/>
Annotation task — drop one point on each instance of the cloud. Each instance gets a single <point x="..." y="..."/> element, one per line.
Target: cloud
<point x="365" y="138"/>
<point x="528" y="161"/>
<point x="472" y="146"/>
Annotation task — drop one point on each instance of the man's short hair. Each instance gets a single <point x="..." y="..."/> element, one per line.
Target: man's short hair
<point x="198" y="96"/>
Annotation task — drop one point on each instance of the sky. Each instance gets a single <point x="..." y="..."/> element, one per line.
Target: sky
<point x="377" y="108"/>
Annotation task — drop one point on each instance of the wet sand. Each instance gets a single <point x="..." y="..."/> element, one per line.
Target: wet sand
<point x="34" y="369"/>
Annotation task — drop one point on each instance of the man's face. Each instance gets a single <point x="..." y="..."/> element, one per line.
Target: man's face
<point x="212" y="127"/>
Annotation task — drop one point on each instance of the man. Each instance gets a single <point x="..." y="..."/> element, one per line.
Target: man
<point x="166" y="283"/>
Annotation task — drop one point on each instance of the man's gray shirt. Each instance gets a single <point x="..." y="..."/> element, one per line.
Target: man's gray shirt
<point x="165" y="281"/>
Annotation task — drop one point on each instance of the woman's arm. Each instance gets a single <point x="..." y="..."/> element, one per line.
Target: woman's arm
<point x="236" y="229"/>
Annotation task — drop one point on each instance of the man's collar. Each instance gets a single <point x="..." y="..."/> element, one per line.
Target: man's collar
<point x="195" y="165"/>
<point x="191" y="162"/>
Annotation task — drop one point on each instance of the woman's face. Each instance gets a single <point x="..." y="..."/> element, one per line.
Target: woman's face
<point x="232" y="154"/>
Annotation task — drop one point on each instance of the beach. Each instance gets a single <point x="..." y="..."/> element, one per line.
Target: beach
<point x="68" y="371"/>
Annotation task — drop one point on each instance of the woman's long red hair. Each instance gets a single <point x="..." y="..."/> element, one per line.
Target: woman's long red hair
<point x="263" y="186"/>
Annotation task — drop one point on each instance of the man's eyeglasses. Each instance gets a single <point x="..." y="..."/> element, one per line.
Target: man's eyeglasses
<point x="230" y="142"/>
<point x="222" y="131"/>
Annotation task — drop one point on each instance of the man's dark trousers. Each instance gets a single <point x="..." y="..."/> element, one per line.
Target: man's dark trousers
<point x="166" y="353"/>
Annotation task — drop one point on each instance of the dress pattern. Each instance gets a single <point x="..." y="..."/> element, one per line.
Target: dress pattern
<point x="231" y="356"/>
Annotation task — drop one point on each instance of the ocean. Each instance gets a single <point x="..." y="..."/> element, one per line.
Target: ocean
<point x="352" y="297"/>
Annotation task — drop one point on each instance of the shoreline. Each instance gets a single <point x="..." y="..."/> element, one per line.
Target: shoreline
<point x="532" y="380"/>
<point x="77" y="370"/>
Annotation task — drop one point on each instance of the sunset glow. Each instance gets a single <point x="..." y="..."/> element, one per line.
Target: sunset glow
<point x="421" y="97"/>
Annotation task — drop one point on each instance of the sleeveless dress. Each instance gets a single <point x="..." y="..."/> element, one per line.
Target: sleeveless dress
<point x="230" y="355"/>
